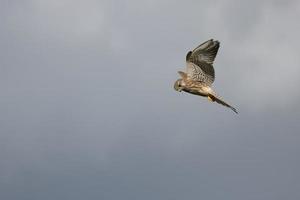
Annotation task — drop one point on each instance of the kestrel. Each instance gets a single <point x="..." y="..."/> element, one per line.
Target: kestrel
<point x="200" y="73"/>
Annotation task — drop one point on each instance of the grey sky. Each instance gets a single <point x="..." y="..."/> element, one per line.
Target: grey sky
<point x="88" y="109"/>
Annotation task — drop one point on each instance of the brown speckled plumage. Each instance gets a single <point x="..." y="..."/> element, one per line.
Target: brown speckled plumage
<point x="200" y="73"/>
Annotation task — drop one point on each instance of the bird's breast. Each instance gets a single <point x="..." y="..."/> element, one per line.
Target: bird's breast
<point x="195" y="91"/>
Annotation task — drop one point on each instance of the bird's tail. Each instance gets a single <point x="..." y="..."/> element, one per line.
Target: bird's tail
<point x="217" y="99"/>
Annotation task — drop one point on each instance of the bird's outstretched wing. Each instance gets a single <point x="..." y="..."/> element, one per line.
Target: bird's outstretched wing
<point x="200" y="62"/>
<point x="220" y="101"/>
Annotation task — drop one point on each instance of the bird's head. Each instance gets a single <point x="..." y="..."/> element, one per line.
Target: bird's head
<point x="178" y="85"/>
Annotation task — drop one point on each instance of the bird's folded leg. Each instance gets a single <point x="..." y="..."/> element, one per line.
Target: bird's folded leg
<point x="210" y="99"/>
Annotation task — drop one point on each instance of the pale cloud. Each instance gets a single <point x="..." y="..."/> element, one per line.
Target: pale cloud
<point x="266" y="61"/>
<point x="63" y="21"/>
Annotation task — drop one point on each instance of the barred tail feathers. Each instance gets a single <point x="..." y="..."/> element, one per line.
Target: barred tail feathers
<point x="214" y="97"/>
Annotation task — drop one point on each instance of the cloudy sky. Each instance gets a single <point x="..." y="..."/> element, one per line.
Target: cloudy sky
<point x="88" y="109"/>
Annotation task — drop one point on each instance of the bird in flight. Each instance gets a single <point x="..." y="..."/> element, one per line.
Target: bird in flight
<point x="200" y="73"/>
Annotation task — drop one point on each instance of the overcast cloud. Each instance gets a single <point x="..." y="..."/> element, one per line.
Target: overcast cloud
<point x="88" y="109"/>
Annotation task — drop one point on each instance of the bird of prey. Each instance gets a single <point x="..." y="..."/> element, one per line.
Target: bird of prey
<point x="200" y="73"/>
